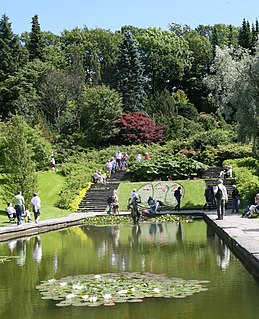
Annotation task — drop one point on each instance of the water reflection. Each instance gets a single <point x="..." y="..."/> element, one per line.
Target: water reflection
<point x="189" y="251"/>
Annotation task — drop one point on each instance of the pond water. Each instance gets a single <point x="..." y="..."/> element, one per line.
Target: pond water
<point x="185" y="250"/>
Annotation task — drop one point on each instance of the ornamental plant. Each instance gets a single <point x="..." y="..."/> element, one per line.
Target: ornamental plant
<point x="138" y="128"/>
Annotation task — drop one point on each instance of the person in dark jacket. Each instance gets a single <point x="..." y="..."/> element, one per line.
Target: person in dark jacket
<point x="178" y="196"/>
<point x="235" y="199"/>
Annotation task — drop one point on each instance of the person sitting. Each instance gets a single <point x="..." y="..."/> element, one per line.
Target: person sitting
<point x="159" y="205"/>
<point x="252" y="210"/>
<point x="152" y="205"/>
<point x="98" y="176"/>
<point x="26" y="215"/>
<point x="11" y="213"/>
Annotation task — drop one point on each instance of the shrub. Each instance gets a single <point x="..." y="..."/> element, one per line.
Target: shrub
<point x="138" y="128"/>
<point x="166" y="167"/>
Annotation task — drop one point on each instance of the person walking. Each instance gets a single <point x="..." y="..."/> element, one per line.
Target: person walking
<point x="221" y="198"/>
<point x="178" y="196"/>
<point x="36" y="205"/>
<point x="19" y="206"/>
<point x="235" y="198"/>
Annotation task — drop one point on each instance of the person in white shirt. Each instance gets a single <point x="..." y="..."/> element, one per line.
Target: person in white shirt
<point x="11" y="212"/>
<point x="138" y="158"/>
<point x="36" y="205"/>
<point x="221" y="198"/>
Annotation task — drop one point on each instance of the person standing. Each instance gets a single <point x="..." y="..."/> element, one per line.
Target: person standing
<point x="36" y="205"/>
<point x="19" y="206"/>
<point x="178" y="196"/>
<point x="52" y="162"/>
<point x="115" y="202"/>
<point x="235" y="199"/>
<point x="221" y="198"/>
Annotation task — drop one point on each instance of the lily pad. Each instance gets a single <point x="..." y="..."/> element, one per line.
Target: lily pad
<point x="111" y="288"/>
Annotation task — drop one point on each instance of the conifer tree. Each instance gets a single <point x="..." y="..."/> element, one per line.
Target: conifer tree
<point x="245" y="35"/>
<point x="129" y="74"/>
<point x="36" y="43"/>
<point x="12" y="55"/>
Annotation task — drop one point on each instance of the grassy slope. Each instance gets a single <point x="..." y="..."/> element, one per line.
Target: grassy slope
<point x="50" y="185"/>
<point x="193" y="193"/>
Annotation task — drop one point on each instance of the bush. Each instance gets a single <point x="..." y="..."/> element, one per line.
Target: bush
<point x="137" y="128"/>
<point x="166" y="168"/>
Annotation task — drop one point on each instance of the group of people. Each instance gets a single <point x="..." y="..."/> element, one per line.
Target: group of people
<point x="218" y="196"/>
<point x="226" y="172"/>
<point x="19" y="212"/>
<point x="139" y="157"/>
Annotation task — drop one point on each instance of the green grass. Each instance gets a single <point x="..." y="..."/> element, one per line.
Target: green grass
<point x="193" y="193"/>
<point x="49" y="185"/>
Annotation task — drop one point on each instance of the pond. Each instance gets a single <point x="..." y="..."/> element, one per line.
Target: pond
<point x="185" y="250"/>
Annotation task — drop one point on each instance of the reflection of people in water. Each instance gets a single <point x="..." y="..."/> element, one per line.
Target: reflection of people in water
<point x="155" y="228"/>
<point x="136" y="231"/>
<point x="21" y="252"/>
<point x="116" y="235"/>
<point x="12" y="245"/>
<point x="223" y="256"/>
<point x="37" y="250"/>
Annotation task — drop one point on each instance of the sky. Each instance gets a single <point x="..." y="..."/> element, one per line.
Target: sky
<point x="58" y="15"/>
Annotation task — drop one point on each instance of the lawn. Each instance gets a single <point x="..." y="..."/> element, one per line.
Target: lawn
<point x="50" y="185"/>
<point x="193" y="193"/>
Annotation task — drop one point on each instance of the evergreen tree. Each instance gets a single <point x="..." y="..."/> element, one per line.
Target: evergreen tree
<point x="12" y="55"/>
<point x="36" y="43"/>
<point x="245" y="35"/>
<point x="18" y="163"/>
<point x="129" y="74"/>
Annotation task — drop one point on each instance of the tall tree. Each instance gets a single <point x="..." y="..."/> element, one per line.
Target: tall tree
<point x="12" y="55"/>
<point x="235" y="86"/>
<point x="36" y="44"/>
<point x="245" y="35"/>
<point x="129" y="74"/>
<point x="18" y="164"/>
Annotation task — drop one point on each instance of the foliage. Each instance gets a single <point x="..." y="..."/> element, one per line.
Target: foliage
<point x="73" y="206"/>
<point x="129" y="74"/>
<point x="101" y="106"/>
<point x="212" y="138"/>
<point x="19" y="165"/>
<point x="36" y="44"/>
<point x="138" y="128"/>
<point x="234" y="81"/>
<point x="247" y="180"/>
<point x="166" y="167"/>
<point x="78" y="174"/>
<point x="188" y="111"/>
<point x="12" y="54"/>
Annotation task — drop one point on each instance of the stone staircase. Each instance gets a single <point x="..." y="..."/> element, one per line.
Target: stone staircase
<point x="211" y="178"/>
<point x="95" y="199"/>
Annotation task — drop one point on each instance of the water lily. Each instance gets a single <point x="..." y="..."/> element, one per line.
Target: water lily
<point x="156" y="290"/>
<point x="93" y="299"/>
<point x="107" y="296"/>
<point x="51" y="280"/>
<point x="97" y="277"/>
<point x="70" y="296"/>
<point x="122" y="292"/>
<point x="63" y="284"/>
<point x="78" y="287"/>
<point x="85" y="297"/>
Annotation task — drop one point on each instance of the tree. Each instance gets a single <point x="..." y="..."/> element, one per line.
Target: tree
<point x="19" y="93"/>
<point x="138" y="128"/>
<point x="245" y="35"/>
<point x="36" y="44"/>
<point x="12" y="54"/>
<point x="19" y="167"/>
<point x="166" y="57"/>
<point x="234" y="84"/>
<point x="101" y="106"/>
<point x="129" y="74"/>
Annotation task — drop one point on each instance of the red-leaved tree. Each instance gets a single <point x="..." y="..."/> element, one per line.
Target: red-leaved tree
<point x="138" y="128"/>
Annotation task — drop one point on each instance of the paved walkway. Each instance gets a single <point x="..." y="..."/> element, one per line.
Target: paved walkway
<point x="240" y="234"/>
